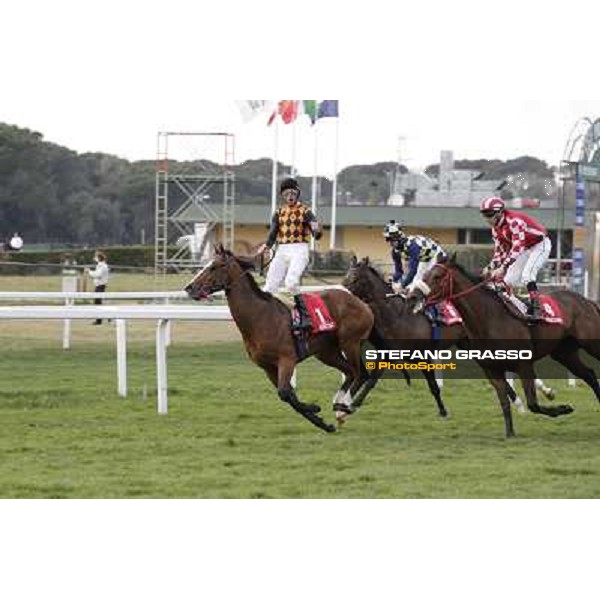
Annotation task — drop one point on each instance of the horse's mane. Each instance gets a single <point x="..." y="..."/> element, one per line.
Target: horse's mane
<point x="475" y="279"/>
<point x="461" y="269"/>
<point x="247" y="264"/>
<point x="377" y="271"/>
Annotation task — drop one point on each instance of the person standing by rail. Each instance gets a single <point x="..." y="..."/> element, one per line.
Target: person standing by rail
<point x="100" y="277"/>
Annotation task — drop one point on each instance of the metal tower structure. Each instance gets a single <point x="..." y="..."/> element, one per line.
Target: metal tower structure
<point x="580" y="179"/>
<point x="183" y="201"/>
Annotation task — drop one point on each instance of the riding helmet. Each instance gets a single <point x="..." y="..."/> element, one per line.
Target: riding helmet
<point x="392" y="229"/>
<point x="289" y="184"/>
<point x="491" y="205"/>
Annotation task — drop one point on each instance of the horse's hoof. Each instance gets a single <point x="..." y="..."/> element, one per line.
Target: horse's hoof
<point x="340" y="417"/>
<point x="330" y="428"/>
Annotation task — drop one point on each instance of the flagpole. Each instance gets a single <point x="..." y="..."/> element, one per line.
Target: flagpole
<point x="293" y="165"/>
<point x="274" y="169"/>
<point x="334" y="191"/>
<point x="313" y="205"/>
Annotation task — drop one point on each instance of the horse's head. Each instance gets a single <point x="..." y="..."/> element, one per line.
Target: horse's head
<point x="217" y="275"/>
<point x="435" y="286"/>
<point x="362" y="278"/>
<point x="351" y="278"/>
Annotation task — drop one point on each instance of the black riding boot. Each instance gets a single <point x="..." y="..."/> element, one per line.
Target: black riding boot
<point x="534" y="311"/>
<point x="305" y="322"/>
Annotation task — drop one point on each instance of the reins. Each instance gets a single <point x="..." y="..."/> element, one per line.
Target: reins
<point x="448" y="283"/>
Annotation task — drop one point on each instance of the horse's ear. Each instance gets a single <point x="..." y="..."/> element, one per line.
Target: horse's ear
<point x="366" y="259"/>
<point x="452" y="257"/>
<point x="219" y="250"/>
<point x="353" y="261"/>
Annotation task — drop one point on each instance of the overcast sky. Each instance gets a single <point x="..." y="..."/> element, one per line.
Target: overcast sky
<point x="484" y="80"/>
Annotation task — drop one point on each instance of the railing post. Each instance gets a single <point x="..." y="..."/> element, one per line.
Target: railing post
<point x="161" y="366"/>
<point x="121" y="356"/>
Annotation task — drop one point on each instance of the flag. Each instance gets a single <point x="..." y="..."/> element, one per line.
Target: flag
<point x="328" y="108"/>
<point x="252" y="108"/>
<point x="287" y="109"/>
<point x="310" y="109"/>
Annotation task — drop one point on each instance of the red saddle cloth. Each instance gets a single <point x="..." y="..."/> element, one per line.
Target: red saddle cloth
<point x="320" y="317"/>
<point x="551" y="310"/>
<point x="448" y="314"/>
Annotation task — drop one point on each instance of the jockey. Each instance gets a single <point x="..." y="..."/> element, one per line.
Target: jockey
<point x="292" y="225"/>
<point x="419" y="251"/>
<point x="521" y="247"/>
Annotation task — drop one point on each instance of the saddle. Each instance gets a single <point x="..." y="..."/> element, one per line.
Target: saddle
<point x="550" y="310"/>
<point x="442" y="314"/>
<point x="310" y="316"/>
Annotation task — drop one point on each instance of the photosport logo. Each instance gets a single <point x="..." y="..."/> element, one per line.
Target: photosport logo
<point x="466" y="361"/>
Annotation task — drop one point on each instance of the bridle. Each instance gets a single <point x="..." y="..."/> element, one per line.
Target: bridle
<point x="446" y="285"/>
<point x="206" y="291"/>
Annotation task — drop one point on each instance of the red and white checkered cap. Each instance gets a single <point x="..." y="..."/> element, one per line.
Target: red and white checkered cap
<point x="493" y="203"/>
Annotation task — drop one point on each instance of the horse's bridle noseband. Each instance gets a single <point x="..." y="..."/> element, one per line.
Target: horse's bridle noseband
<point x="206" y="291"/>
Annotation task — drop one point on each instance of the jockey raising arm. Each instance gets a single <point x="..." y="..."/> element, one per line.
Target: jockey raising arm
<point x="419" y="251"/>
<point x="521" y="247"/>
<point x="291" y="227"/>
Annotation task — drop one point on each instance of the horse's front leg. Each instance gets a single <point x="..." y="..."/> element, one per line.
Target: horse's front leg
<point x="287" y="394"/>
<point x="498" y="380"/>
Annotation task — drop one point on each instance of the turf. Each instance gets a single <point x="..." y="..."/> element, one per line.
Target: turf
<point x="66" y="433"/>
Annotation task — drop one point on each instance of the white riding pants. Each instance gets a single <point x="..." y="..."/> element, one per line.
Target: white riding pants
<point x="527" y="265"/>
<point x="421" y="270"/>
<point x="287" y="267"/>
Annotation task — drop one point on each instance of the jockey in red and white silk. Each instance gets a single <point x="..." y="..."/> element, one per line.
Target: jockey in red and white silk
<point x="521" y="247"/>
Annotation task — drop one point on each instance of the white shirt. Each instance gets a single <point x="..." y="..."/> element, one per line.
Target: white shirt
<point x="100" y="274"/>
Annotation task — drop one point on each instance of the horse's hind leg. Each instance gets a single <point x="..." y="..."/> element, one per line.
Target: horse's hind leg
<point x="342" y="400"/>
<point x="528" y="378"/>
<point x="547" y="391"/>
<point x="364" y="386"/>
<point x="570" y="359"/>
<point x="434" y="388"/>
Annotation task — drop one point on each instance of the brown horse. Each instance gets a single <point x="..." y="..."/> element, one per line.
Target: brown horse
<point x="486" y="317"/>
<point x="265" y="325"/>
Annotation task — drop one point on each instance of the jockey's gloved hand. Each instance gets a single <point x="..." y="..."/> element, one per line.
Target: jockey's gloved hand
<point x="497" y="274"/>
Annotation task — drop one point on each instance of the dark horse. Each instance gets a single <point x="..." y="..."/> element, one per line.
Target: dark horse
<point x="265" y="325"/>
<point x="394" y="321"/>
<point x="486" y="317"/>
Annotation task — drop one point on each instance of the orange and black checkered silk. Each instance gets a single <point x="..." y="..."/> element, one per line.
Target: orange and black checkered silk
<point x="293" y="227"/>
